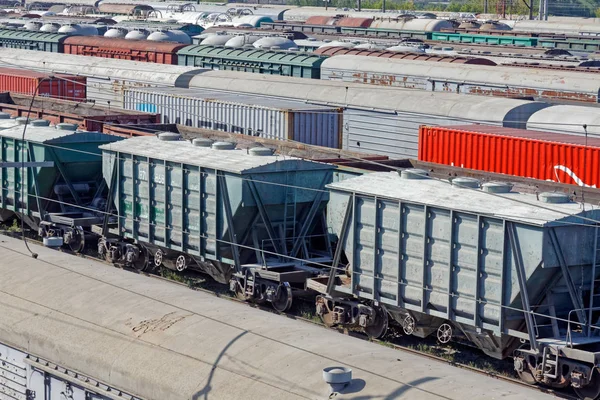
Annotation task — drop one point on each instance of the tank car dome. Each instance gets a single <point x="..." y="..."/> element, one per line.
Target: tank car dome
<point x="33" y="26"/>
<point x="180" y="36"/>
<point x="160" y="36"/>
<point x="369" y="46"/>
<point x="253" y="20"/>
<point x="274" y="41"/>
<point x="76" y="29"/>
<point x="116" y="33"/>
<point x="407" y="49"/>
<point x="52" y="28"/>
<point x="494" y="26"/>
<point x="241" y="41"/>
<point x="244" y="26"/>
<point x="469" y="25"/>
<point x="216" y="40"/>
<point x="137" y="34"/>
<point x="335" y="43"/>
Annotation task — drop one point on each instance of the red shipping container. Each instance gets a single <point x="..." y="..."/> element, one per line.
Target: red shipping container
<point x="123" y="49"/>
<point x="65" y="87"/>
<point x="531" y="154"/>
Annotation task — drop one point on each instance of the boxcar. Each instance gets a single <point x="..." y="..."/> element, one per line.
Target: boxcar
<point x="489" y="39"/>
<point x="252" y="60"/>
<point x="135" y="50"/>
<point x="28" y="40"/>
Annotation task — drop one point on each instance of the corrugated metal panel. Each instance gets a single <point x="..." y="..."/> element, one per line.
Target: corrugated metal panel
<point x="394" y="135"/>
<point x="251" y="60"/>
<point x="13" y="374"/>
<point x="27" y="40"/>
<point x="255" y="116"/>
<point x="501" y="81"/>
<point x="61" y="86"/>
<point x="530" y="154"/>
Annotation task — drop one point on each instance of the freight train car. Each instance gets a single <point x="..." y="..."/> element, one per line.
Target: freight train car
<point x="124" y="49"/>
<point x="502" y="81"/>
<point x="252" y="60"/>
<point x="228" y="212"/>
<point x="28" y="40"/>
<point x="540" y="155"/>
<point x="510" y="272"/>
<point x="66" y="87"/>
<point x="237" y="113"/>
<point x="338" y="51"/>
<point x="62" y="196"/>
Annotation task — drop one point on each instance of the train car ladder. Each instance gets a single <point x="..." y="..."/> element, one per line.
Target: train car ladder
<point x="594" y="296"/>
<point x="550" y="363"/>
<point x="289" y="211"/>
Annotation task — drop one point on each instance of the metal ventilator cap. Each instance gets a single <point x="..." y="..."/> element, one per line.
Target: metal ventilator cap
<point x="64" y="126"/>
<point x="497" y="187"/>
<point x="462" y="183"/>
<point x="202" y="142"/>
<point x="337" y="377"/>
<point x="223" y="146"/>
<point x="40" y="122"/>
<point x="169" y="136"/>
<point x="261" y="151"/>
<point x="554" y="198"/>
<point x="414" y="173"/>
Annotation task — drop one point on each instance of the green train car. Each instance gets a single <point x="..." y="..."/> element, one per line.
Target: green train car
<point x="28" y="40"/>
<point x="252" y="60"/>
<point x="484" y="39"/>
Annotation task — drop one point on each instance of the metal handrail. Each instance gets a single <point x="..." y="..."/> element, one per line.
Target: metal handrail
<point x="590" y="326"/>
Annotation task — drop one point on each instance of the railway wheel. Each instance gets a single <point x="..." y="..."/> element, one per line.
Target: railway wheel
<point x="380" y="325"/>
<point x="525" y="365"/>
<point x="592" y="390"/>
<point x="181" y="263"/>
<point x="141" y="262"/>
<point x="408" y="325"/>
<point x="158" y="258"/>
<point x="282" y="299"/>
<point x="324" y="312"/>
<point x="444" y="333"/>
<point x="77" y="239"/>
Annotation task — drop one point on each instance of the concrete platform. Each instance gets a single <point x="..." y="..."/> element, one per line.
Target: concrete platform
<point x="163" y="341"/>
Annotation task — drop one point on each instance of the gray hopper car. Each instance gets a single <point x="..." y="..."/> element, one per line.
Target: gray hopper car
<point x="500" y="269"/>
<point x="243" y="213"/>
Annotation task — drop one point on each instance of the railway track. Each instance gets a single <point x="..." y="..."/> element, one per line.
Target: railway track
<point x="224" y="293"/>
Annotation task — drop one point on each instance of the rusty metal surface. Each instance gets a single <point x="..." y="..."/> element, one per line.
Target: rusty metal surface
<point x="118" y="44"/>
<point x="337" y="51"/>
<point x="354" y="22"/>
<point x="320" y="20"/>
<point x="87" y="116"/>
<point x="497" y="81"/>
<point x="573" y="68"/>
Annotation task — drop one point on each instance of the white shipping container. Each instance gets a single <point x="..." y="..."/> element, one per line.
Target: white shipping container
<point x="244" y="114"/>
